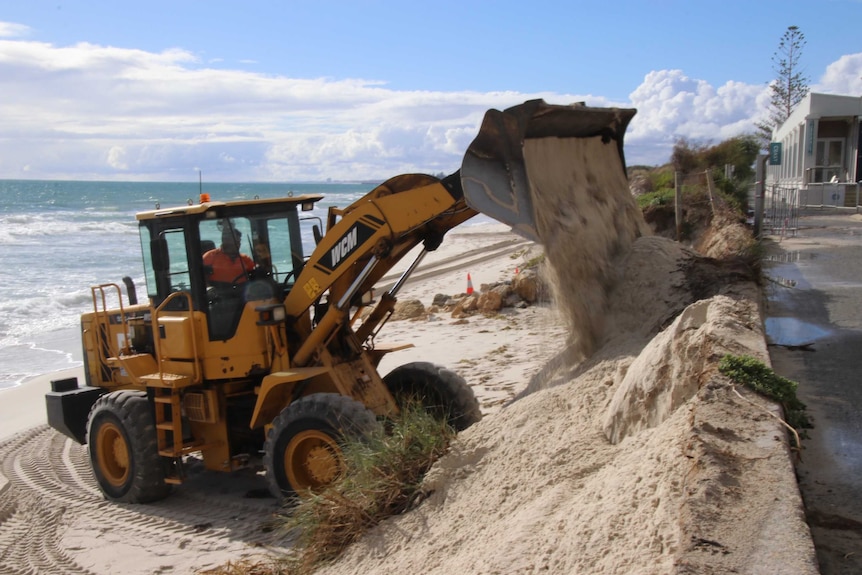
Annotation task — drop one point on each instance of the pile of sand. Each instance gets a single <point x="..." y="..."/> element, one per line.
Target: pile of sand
<point x="628" y="452"/>
<point x="641" y="459"/>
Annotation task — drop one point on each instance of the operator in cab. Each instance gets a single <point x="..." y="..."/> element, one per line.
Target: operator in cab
<point x="228" y="265"/>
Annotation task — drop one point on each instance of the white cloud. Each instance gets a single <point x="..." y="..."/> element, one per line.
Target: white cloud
<point x="844" y="76"/>
<point x="12" y="30"/>
<point x="117" y="158"/>
<point x="87" y="111"/>
<point x="671" y="105"/>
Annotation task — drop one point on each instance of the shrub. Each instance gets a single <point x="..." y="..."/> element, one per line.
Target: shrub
<point x="383" y="478"/>
<point x="757" y="376"/>
<point x="661" y="197"/>
<point x="663" y="178"/>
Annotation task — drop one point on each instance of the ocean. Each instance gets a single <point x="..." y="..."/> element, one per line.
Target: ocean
<point x="59" y="238"/>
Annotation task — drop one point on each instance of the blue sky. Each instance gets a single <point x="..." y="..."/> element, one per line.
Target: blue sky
<point x="267" y="90"/>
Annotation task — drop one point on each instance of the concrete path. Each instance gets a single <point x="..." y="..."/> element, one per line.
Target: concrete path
<point x="814" y="327"/>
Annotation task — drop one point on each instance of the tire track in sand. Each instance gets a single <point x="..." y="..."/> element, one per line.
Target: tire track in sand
<point x="51" y="511"/>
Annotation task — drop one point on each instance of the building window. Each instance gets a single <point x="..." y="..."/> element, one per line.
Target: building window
<point x="828" y="159"/>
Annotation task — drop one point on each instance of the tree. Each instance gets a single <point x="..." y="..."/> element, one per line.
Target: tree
<point x="687" y="156"/>
<point x="739" y="152"/>
<point x="790" y="84"/>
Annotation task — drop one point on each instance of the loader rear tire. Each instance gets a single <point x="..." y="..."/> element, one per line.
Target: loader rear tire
<point x="303" y="449"/>
<point x="121" y="437"/>
<point x="443" y="392"/>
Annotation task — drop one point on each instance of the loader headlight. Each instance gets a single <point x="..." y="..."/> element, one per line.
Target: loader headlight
<point x="270" y="314"/>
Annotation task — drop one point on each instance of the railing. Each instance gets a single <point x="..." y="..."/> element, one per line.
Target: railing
<point x="781" y="211"/>
<point x="782" y="204"/>
<point x="107" y="346"/>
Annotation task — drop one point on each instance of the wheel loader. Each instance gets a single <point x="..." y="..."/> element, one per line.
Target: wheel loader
<point x="278" y="356"/>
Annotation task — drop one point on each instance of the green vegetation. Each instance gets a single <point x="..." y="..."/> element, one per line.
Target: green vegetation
<point x="383" y="477"/>
<point x="660" y="197"/>
<point x="756" y="375"/>
<point x="739" y="153"/>
<point x="518" y="254"/>
<point x="729" y="163"/>
<point x="535" y="261"/>
<point x="790" y="84"/>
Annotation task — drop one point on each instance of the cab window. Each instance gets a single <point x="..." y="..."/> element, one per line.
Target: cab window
<point x="280" y="250"/>
<point x="165" y="262"/>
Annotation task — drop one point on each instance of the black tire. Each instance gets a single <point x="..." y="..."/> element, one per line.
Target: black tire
<point x="121" y="438"/>
<point x="442" y="392"/>
<point x="303" y="449"/>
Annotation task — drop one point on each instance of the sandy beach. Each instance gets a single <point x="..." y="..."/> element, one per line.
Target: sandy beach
<point x="53" y="501"/>
<point x="641" y="459"/>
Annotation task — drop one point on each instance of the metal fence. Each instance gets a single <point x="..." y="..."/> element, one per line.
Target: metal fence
<point x="782" y="204"/>
<point x="781" y="211"/>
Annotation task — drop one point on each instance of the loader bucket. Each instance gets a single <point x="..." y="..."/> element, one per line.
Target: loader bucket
<point x="522" y="151"/>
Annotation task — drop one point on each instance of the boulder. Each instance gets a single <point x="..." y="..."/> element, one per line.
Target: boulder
<point x="528" y="286"/>
<point x="466" y="306"/>
<point x="490" y="302"/>
<point x="440" y="300"/>
<point x="408" y="309"/>
<point x="514" y="300"/>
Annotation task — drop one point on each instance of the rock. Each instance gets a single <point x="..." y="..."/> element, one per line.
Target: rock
<point x="470" y="303"/>
<point x="528" y="286"/>
<point x="514" y="300"/>
<point x="466" y="306"/>
<point x="440" y="300"/>
<point x="490" y="301"/>
<point x="503" y="288"/>
<point x="408" y="309"/>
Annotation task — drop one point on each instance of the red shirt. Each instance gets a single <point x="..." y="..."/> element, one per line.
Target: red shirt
<point x="228" y="269"/>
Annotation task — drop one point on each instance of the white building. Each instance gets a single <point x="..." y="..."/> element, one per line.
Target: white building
<point x="818" y="151"/>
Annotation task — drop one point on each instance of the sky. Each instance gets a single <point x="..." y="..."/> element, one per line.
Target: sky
<point x="302" y="90"/>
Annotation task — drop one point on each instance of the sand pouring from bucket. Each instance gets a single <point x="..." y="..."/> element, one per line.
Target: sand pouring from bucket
<point x="495" y="171"/>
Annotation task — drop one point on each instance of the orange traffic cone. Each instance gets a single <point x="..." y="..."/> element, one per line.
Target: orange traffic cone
<point x="469" y="285"/>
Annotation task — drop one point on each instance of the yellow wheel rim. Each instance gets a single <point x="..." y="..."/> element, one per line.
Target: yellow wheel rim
<point x="312" y="459"/>
<point x="112" y="454"/>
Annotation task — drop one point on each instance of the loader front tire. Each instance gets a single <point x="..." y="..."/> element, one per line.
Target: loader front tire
<point x="303" y="449"/>
<point x="121" y="437"/>
<point x="442" y="392"/>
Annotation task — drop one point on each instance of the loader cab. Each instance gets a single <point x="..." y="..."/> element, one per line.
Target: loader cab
<point x="181" y="248"/>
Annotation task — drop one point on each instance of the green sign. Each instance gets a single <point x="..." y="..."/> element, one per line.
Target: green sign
<point x="775" y="154"/>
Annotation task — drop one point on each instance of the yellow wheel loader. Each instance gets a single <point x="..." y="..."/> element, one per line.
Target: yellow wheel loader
<point x="273" y="350"/>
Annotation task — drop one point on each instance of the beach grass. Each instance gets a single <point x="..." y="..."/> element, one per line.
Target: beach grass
<point x="383" y="477"/>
